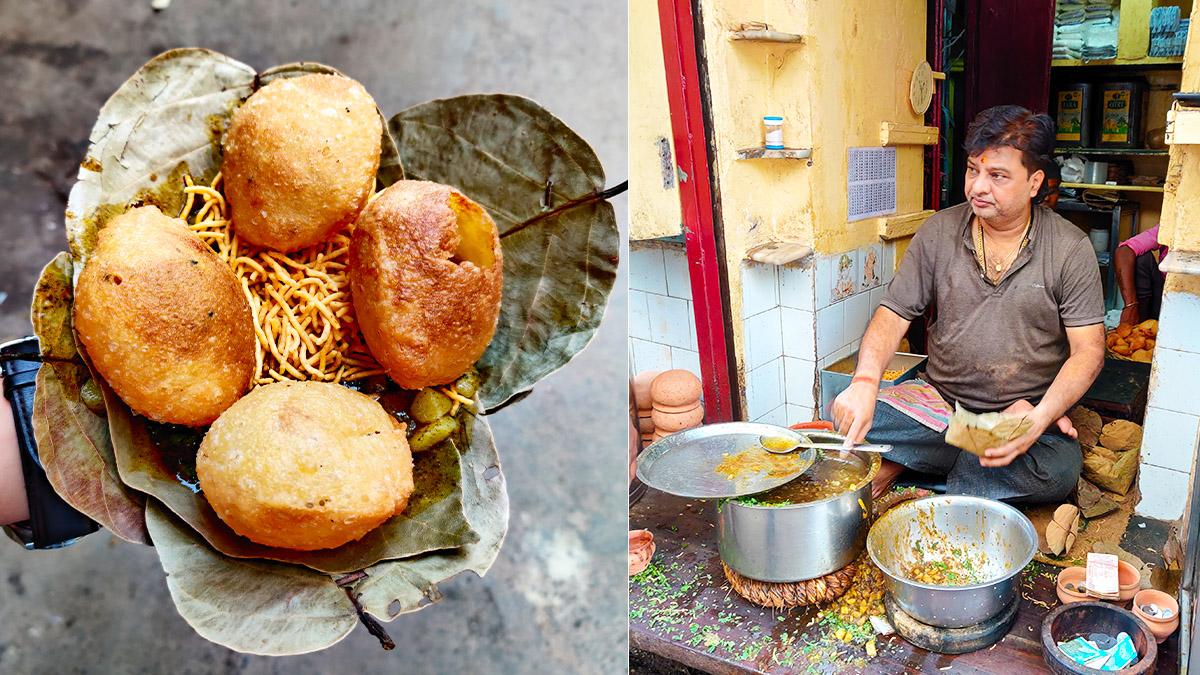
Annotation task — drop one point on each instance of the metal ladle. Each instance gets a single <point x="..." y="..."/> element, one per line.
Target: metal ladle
<point x="790" y="441"/>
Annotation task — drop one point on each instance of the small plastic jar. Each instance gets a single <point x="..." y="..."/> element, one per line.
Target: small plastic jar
<point x="773" y="128"/>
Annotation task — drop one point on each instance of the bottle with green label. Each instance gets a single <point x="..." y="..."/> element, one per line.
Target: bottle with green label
<point x="1120" y="114"/>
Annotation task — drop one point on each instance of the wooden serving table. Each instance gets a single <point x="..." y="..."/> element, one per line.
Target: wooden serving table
<point x="683" y="614"/>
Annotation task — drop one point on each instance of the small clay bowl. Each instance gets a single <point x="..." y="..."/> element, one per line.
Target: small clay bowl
<point x="645" y="424"/>
<point x="641" y="388"/>
<point x="672" y="422"/>
<point x="1161" y="628"/>
<point x="674" y="409"/>
<point x="641" y="550"/>
<point x="1073" y="576"/>
<point x="675" y="388"/>
<point x="1129" y="580"/>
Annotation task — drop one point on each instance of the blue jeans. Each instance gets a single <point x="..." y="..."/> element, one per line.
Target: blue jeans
<point x="1047" y="472"/>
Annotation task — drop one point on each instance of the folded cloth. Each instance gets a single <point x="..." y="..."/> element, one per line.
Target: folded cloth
<point x="1068" y="42"/>
<point x="1072" y="29"/>
<point x="920" y="401"/>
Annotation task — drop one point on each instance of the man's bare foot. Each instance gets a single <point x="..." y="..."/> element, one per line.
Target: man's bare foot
<point x="882" y="482"/>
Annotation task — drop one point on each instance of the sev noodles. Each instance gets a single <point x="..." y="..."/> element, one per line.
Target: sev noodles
<point x="303" y="317"/>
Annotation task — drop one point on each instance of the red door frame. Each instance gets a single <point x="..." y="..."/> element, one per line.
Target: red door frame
<point x="704" y="248"/>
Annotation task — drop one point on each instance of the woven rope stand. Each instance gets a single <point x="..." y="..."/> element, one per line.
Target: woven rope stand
<point x="792" y="594"/>
<point x="782" y="595"/>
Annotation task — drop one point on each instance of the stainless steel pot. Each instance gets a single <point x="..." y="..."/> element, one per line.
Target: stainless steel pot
<point x="920" y="530"/>
<point x="800" y="541"/>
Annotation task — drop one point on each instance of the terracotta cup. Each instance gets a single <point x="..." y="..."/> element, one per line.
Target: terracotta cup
<point x="1161" y="628"/>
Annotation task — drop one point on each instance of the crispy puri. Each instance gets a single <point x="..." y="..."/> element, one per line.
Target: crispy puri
<point x="305" y="465"/>
<point x="299" y="160"/>
<point x="164" y="320"/>
<point x="426" y="273"/>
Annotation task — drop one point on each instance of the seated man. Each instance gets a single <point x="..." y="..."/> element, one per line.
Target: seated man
<point x="1138" y="276"/>
<point x="1018" y="327"/>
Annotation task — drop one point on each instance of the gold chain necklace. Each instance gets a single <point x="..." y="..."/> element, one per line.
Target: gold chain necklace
<point x="1003" y="265"/>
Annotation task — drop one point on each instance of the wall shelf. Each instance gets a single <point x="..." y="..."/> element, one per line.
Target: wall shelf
<point x="1126" y="188"/>
<point x="1133" y="152"/>
<point x="786" y="153"/>
<point x="1109" y="63"/>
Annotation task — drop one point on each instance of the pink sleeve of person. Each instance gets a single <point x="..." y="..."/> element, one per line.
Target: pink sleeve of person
<point x="1141" y="243"/>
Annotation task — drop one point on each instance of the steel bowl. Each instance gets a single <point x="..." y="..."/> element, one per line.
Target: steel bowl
<point x="921" y="530"/>
<point x="799" y="541"/>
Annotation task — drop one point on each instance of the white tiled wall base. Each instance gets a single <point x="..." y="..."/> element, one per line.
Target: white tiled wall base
<point x="1172" y="423"/>
<point x="662" y="325"/>
<point x="780" y="337"/>
<point x="764" y="389"/>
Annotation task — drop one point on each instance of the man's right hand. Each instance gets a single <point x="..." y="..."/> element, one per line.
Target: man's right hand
<point x="854" y="409"/>
<point x="1130" y="315"/>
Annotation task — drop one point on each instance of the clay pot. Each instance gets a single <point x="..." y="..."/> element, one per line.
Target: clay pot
<point x="641" y="550"/>
<point x="1074" y="576"/>
<point x="1129" y="580"/>
<point x="660" y="407"/>
<point x="675" y="388"/>
<point x="641" y="388"/>
<point x="1161" y="628"/>
<point x="672" y="422"/>
<point x="645" y="423"/>
<point x="659" y="434"/>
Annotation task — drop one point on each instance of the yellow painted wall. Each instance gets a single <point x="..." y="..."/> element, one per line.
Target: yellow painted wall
<point x="1180" y="225"/>
<point x="834" y="90"/>
<point x="653" y="209"/>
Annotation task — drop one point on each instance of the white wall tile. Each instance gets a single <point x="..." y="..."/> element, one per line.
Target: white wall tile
<point x="1164" y="492"/>
<point x="1179" y="322"/>
<point x="650" y="356"/>
<point x="760" y="289"/>
<point x="778" y="417"/>
<point x="764" y="389"/>
<point x="799" y="333"/>
<point x="639" y="316"/>
<point x="831" y="332"/>
<point x="870" y="266"/>
<point x="1173" y="381"/>
<point x="1170" y="439"/>
<point x="796" y="285"/>
<point x="889" y="261"/>
<point x="798" y="413"/>
<point x="876" y="297"/>
<point x="646" y="270"/>
<point x="692" y="325"/>
<point x="834" y="357"/>
<point x="799" y="376"/>
<point x="764" y="338"/>
<point x="668" y="320"/>
<point x="857" y="310"/>
<point x="845" y="275"/>
<point x="679" y="281"/>
<point x="823" y="281"/>
<point x="685" y="359"/>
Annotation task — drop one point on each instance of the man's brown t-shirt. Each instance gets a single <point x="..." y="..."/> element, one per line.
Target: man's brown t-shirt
<point x="991" y="345"/>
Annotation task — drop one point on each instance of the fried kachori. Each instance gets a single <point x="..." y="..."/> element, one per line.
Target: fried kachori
<point x="164" y="319"/>
<point x="300" y="158"/>
<point x="305" y="465"/>
<point x="426" y="274"/>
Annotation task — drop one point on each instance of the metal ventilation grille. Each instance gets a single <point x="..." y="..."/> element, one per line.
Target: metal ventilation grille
<point x="872" y="186"/>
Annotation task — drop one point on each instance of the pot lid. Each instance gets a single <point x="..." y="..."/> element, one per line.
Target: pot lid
<point x="720" y="460"/>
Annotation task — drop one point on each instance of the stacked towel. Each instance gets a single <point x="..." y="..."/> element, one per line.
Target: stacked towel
<point x="1085" y="29"/>
<point x="1168" y="32"/>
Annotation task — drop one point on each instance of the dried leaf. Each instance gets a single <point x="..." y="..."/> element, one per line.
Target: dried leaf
<point x="979" y="433"/>
<point x="560" y="256"/>
<point x="159" y="460"/>
<point x="250" y="606"/>
<point x="166" y="119"/>
<point x="399" y="586"/>
<point x="73" y="442"/>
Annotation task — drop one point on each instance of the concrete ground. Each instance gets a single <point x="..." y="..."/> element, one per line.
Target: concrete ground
<point x="556" y="599"/>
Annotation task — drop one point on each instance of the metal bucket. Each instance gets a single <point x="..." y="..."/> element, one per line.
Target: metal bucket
<point x="799" y="541"/>
<point x="1003" y="535"/>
